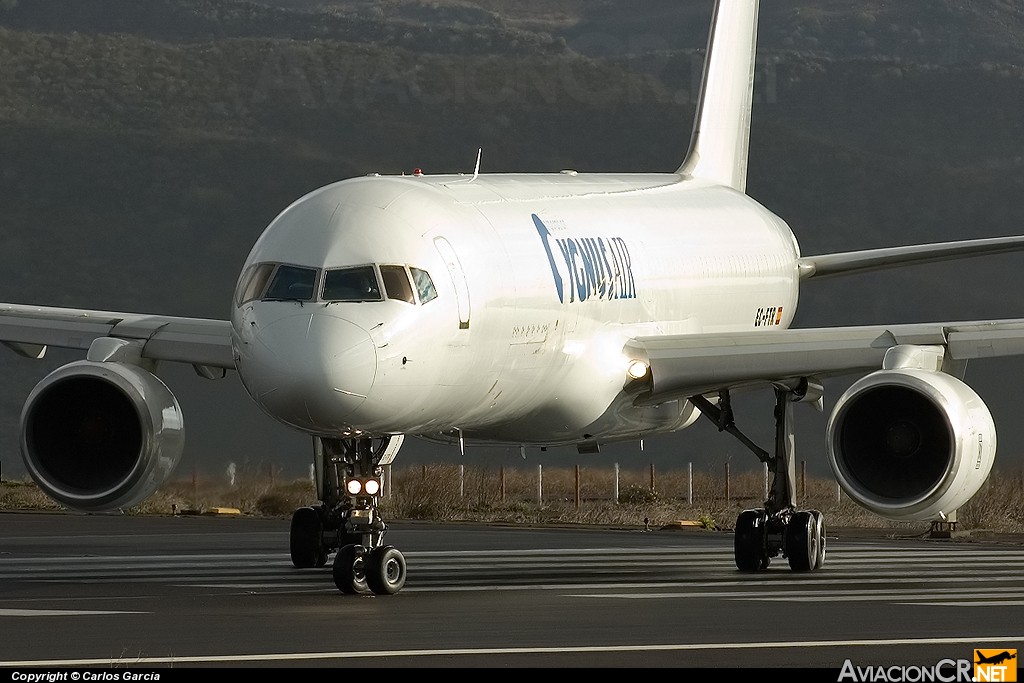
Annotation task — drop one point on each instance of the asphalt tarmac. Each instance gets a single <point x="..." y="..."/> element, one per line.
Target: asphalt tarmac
<point x="152" y="594"/>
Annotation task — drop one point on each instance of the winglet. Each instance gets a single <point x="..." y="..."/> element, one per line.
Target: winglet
<point x="721" y="130"/>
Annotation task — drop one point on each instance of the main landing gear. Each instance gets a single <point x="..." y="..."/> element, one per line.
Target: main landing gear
<point x="778" y="528"/>
<point x="348" y="481"/>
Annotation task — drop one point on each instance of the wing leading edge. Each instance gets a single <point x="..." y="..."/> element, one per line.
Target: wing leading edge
<point x="688" y="365"/>
<point x="204" y="343"/>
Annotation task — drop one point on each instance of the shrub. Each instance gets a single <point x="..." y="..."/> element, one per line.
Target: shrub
<point x="637" y="495"/>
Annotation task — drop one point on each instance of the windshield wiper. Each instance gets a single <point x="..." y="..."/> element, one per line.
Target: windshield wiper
<point x="301" y="302"/>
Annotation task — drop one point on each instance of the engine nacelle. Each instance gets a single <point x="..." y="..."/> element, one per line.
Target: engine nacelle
<point x="101" y="436"/>
<point x="911" y="444"/>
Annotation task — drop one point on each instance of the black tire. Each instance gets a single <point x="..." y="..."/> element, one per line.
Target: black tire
<point x="802" y="541"/>
<point x="306" y="539"/>
<point x="385" y="570"/>
<point x="749" y="544"/>
<point x="820" y="524"/>
<point x="349" y="569"/>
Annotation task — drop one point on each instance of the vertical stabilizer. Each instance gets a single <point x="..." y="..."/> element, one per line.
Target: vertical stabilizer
<point x="721" y="130"/>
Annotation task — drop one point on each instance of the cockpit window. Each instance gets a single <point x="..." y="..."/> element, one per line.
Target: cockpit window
<point x="253" y="282"/>
<point x="292" y="282"/>
<point x="351" y="284"/>
<point x="283" y="282"/>
<point x="396" y="283"/>
<point x="424" y="285"/>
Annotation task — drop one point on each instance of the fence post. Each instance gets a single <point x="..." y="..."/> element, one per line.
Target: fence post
<point x="577" y="487"/>
<point x="615" y="485"/>
<point x="652" y="476"/>
<point x="728" y="485"/>
<point x="462" y="481"/>
<point x="540" y="484"/>
<point x="689" y="484"/>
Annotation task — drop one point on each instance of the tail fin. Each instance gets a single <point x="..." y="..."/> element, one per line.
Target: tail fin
<point x="721" y="130"/>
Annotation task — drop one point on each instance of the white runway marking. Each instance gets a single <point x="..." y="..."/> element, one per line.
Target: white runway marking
<point x="59" y="612"/>
<point x="679" y="647"/>
<point x="805" y="596"/>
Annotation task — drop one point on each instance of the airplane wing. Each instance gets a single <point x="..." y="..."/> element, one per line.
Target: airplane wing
<point x="687" y="365"/>
<point x="867" y="260"/>
<point x="204" y="343"/>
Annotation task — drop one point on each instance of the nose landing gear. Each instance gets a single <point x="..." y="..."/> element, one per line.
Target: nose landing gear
<point x="347" y="519"/>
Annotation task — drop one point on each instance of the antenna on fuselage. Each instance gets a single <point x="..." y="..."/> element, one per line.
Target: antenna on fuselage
<point x="476" y="169"/>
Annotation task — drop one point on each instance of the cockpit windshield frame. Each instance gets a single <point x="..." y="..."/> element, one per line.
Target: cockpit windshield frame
<point x="368" y="282"/>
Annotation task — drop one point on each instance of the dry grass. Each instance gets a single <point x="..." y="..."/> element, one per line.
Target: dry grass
<point x="439" y="493"/>
<point x="999" y="506"/>
<point x="19" y="495"/>
<point x="565" y="495"/>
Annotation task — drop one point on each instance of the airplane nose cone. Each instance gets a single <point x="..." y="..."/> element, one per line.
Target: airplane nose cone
<point x="309" y="370"/>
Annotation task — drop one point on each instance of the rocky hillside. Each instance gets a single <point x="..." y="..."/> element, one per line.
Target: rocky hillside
<point x="145" y="145"/>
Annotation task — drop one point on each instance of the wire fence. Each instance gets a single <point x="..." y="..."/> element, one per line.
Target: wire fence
<point x="576" y="494"/>
<point x="580" y="484"/>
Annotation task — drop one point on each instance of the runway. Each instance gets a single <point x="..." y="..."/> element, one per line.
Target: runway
<point x="106" y="591"/>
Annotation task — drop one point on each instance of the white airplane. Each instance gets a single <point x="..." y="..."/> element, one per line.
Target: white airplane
<point x="544" y="310"/>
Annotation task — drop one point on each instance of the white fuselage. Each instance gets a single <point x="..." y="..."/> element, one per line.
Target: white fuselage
<point x="540" y="282"/>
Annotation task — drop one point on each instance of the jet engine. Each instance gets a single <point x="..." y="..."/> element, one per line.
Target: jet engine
<point x="911" y="444"/>
<point x="101" y="436"/>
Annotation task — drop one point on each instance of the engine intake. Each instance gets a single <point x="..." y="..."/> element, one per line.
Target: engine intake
<point x="911" y="444"/>
<point x="101" y="436"/>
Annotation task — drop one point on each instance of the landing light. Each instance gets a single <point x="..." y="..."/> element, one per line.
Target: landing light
<point x="356" y="487"/>
<point x="637" y="369"/>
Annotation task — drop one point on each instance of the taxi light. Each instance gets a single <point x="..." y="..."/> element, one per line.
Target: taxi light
<point x="354" y="486"/>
